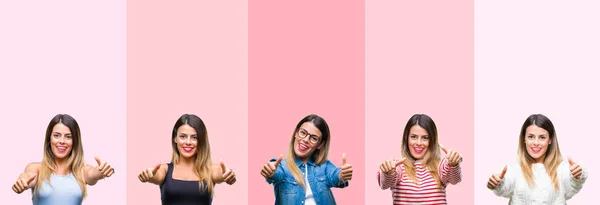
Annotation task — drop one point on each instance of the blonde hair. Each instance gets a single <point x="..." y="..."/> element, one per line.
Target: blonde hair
<point x="319" y="156"/>
<point x="553" y="157"/>
<point x="203" y="162"/>
<point x="74" y="161"/>
<point x="432" y="157"/>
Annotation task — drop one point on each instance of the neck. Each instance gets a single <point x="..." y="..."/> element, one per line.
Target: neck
<point x="186" y="161"/>
<point x="61" y="167"/>
<point x="303" y="159"/>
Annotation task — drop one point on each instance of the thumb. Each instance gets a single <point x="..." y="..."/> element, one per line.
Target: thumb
<point x="98" y="160"/>
<point x="31" y="179"/>
<point x="503" y="172"/>
<point x="223" y="166"/>
<point x="155" y="169"/>
<point x="343" y="159"/>
<point x="399" y="162"/>
<point x="444" y="149"/>
<point x="278" y="160"/>
<point x="571" y="161"/>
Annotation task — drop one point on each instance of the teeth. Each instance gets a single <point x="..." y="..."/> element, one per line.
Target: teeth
<point x="303" y="146"/>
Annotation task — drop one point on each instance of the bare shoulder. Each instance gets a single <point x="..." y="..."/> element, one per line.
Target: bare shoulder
<point x="33" y="167"/>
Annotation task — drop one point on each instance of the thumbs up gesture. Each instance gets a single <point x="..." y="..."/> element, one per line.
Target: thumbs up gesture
<point x="495" y="179"/>
<point x="388" y="167"/>
<point x="228" y="174"/>
<point x="454" y="157"/>
<point x="147" y="174"/>
<point x="269" y="169"/>
<point x="346" y="173"/>
<point x="22" y="184"/>
<point x="576" y="170"/>
<point x="104" y="168"/>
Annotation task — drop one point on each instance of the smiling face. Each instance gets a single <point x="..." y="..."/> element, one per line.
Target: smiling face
<point x="307" y="141"/>
<point x="187" y="141"/>
<point x="418" y="141"/>
<point x="61" y="141"/>
<point x="537" y="140"/>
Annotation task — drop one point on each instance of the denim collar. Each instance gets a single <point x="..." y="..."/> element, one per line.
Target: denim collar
<point x="309" y="162"/>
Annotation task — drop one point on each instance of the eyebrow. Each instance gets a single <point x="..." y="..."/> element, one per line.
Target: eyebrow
<point x="311" y="134"/>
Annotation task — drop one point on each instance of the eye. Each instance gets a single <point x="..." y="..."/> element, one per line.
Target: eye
<point x="543" y="137"/>
<point x="302" y="132"/>
<point x="55" y="135"/>
<point x="182" y="137"/>
<point x="426" y="138"/>
<point x="529" y="137"/>
<point x="314" y="139"/>
<point x="413" y="137"/>
<point x="69" y="137"/>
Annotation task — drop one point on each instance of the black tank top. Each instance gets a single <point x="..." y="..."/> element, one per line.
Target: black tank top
<point x="180" y="192"/>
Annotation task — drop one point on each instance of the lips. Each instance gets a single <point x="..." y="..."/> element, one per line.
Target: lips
<point x="536" y="149"/>
<point x="61" y="148"/>
<point x="418" y="150"/>
<point x="302" y="147"/>
<point x="188" y="149"/>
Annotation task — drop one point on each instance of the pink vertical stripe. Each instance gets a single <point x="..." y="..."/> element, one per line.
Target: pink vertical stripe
<point x="419" y="59"/>
<point x="186" y="57"/>
<point x="306" y="57"/>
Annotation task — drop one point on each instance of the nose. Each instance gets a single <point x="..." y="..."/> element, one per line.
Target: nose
<point x="61" y="139"/>
<point x="305" y="139"/>
<point x="419" y="141"/>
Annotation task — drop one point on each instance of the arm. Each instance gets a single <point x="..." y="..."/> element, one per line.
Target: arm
<point x="571" y="183"/>
<point x="449" y="174"/>
<point x="93" y="174"/>
<point x="155" y="175"/>
<point x="28" y="178"/>
<point x="507" y="180"/>
<point x="272" y="172"/>
<point x="333" y="175"/>
<point x="387" y="176"/>
<point x="387" y="181"/>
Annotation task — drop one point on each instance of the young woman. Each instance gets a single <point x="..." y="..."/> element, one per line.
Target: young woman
<point x="306" y="176"/>
<point x="61" y="177"/>
<point x="191" y="176"/>
<point x="542" y="175"/>
<point x="421" y="175"/>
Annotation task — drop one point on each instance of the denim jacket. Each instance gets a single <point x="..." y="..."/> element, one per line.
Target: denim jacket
<point x="321" y="178"/>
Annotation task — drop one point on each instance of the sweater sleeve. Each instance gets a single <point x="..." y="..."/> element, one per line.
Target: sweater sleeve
<point x="507" y="185"/>
<point x="449" y="174"/>
<point x="572" y="186"/>
<point x="387" y="181"/>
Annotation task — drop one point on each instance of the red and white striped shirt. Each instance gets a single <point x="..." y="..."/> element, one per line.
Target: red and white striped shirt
<point x="425" y="191"/>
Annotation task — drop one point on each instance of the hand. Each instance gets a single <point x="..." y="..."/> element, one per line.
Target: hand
<point x="454" y="157"/>
<point x="576" y="170"/>
<point x="269" y="169"/>
<point x="104" y="168"/>
<point x="147" y="174"/>
<point x="346" y="173"/>
<point x="495" y="179"/>
<point x="388" y="167"/>
<point x="22" y="184"/>
<point x="228" y="174"/>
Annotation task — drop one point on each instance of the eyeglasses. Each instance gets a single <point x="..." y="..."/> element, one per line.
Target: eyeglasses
<point x="313" y="139"/>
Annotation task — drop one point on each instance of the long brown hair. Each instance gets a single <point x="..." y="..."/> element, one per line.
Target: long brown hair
<point x="75" y="158"/>
<point x="203" y="162"/>
<point x="319" y="156"/>
<point x="432" y="157"/>
<point x="553" y="157"/>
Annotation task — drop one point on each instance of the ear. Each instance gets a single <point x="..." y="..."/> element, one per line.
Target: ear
<point x="321" y="144"/>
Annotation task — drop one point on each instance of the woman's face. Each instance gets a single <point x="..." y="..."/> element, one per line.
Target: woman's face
<point x="418" y="141"/>
<point x="537" y="140"/>
<point x="187" y="141"/>
<point x="307" y="141"/>
<point x="61" y="141"/>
